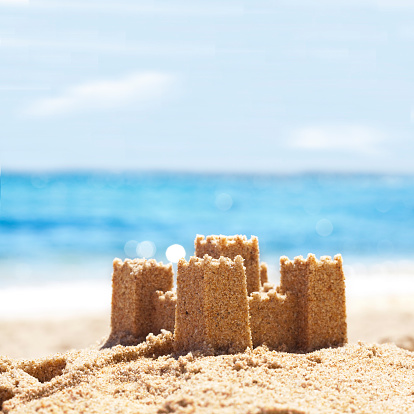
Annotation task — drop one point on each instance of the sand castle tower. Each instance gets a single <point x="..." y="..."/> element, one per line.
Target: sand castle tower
<point x="212" y="311"/>
<point x="134" y="284"/>
<point x="232" y="246"/>
<point x="319" y="288"/>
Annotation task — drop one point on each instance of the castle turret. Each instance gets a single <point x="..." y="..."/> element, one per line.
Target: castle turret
<point x="212" y="312"/>
<point x="319" y="287"/>
<point x="134" y="283"/>
<point x="231" y="246"/>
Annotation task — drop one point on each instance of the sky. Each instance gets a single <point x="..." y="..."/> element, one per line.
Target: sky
<point x="215" y="86"/>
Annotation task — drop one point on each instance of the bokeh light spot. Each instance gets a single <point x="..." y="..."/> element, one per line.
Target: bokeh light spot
<point x="383" y="206"/>
<point x="223" y="201"/>
<point x="175" y="252"/>
<point x="130" y="248"/>
<point x="324" y="227"/>
<point x="146" y="249"/>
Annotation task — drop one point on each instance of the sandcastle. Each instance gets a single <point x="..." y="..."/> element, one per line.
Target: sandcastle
<point x="224" y="303"/>
<point x="135" y="311"/>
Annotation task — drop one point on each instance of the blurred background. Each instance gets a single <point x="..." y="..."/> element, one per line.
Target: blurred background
<point x="129" y="127"/>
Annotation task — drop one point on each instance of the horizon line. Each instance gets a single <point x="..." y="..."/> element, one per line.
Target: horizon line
<point x="201" y="172"/>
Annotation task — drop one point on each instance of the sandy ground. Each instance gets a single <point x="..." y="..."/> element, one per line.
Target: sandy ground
<point x="152" y="378"/>
<point x="41" y="337"/>
<point x="374" y="320"/>
<point x="382" y="319"/>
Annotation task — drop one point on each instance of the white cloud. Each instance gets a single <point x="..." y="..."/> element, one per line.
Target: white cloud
<point x="14" y="2"/>
<point x="142" y="7"/>
<point x="140" y="89"/>
<point x="107" y="45"/>
<point x="350" y="138"/>
<point x="322" y="53"/>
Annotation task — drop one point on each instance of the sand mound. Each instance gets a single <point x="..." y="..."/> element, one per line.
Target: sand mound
<point x="148" y="378"/>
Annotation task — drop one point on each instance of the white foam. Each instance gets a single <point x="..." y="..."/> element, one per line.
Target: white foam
<point x="381" y="279"/>
<point x="55" y="300"/>
<point x="368" y="280"/>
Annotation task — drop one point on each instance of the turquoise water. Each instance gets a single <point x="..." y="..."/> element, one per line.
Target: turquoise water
<point x="74" y="218"/>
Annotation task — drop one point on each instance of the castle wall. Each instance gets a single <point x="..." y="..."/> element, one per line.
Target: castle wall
<point x="231" y="246"/>
<point x="164" y="311"/>
<point x="273" y="320"/>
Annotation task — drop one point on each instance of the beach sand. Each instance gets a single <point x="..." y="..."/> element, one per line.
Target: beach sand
<point x="148" y="378"/>
<point x="34" y="338"/>
<point x="360" y="377"/>
<point x="366" y="376"/>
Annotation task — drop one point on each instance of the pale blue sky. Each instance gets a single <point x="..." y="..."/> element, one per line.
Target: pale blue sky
<point x="261" y="86"/>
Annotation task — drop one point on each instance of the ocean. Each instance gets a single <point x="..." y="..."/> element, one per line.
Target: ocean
<point x="67" y="227"/>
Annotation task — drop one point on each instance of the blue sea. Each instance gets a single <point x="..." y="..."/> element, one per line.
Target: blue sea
<point x="70" y="226"/>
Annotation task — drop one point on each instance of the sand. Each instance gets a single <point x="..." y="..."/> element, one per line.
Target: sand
<point x="34" y="338"/>
<point x="364" y="377"/>
<point x="149" y="378"/>
<point x="360" y="377"/>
